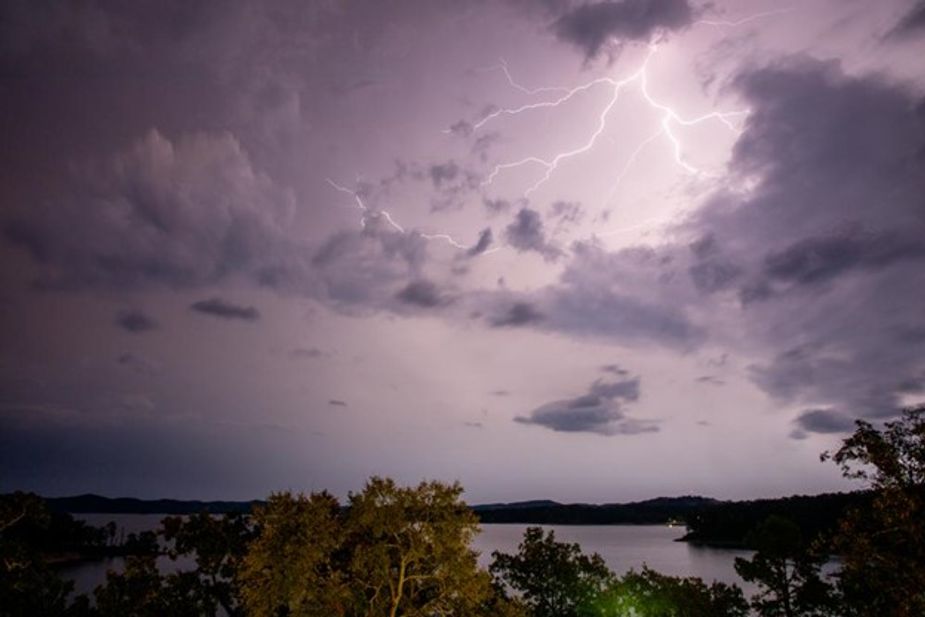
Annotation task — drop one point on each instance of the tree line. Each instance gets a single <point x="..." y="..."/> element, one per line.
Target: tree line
<point x="395" y="551"/>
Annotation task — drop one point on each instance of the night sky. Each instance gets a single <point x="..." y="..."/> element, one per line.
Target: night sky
<point x="585" y="251"/>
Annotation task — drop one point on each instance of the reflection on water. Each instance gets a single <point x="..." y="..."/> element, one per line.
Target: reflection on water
<point x="623" y="547"/>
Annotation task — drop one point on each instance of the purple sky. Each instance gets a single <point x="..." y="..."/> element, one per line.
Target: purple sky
<point x="586" y="251"/>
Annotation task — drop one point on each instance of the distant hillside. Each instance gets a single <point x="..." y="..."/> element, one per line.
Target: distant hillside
<point x="517" y="505"/>
<point x="86" y="504"/>
<point x="728" y="523"/>
<point x="657" y="511"/>
<point x="709" y="521"/>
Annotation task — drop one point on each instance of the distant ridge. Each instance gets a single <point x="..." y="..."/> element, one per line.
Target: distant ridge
<point x="517" y="505"/>
<point x="92" y="504"/>
<point x="658" y="511"/>
<point x="540" y="511"/>
<point x="709" y="521"/>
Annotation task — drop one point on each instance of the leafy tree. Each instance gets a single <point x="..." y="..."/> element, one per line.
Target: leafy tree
<point x="142" y="591"/>
<point x="650" y="594"/>
<point x="787" y="571"/>
<point x="293" y="566"/>
<point x="883" y="547"/>
<point x="218" y="545"/>
<point x="27" y="585"/>
<point x="553" y="579"/>
<point x="409" y="551"/>
<point x="393" y="551"/>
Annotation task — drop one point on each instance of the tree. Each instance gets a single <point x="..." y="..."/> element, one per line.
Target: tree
<point x="883" y="547"/>
<point x="27" y="585"/>
<point x="553" y="579"/>
<point x="650" y="594"/>
<point x="393" y="551"/>
<point x="293" y="566"/>
<point x="409" y="551"/>
<point x="142" y="591"/>
<point x="218" y="545"/>
<point x="787" y="571"/>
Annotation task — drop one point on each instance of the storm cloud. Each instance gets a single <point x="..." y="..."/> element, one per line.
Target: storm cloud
<point x="600" y="411"/>
<point x="590" y="26"/>
<point x="526" y="233"/>
<point x="911" y="24"/>
<point x="177" y="213"/>
<point x="826" y="250"/>
<point x="223" y="309"/>
<point x="135" y="321"/>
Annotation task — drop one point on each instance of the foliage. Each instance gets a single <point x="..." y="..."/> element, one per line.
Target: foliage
<point x="409" y="550"/>
<point x="730" y="523"/>
<point x="27" y="585"/>
<point x="293" y="566"/>
<point x="554" y="579"/>
<point x="650" y="594"/>
<point x="142" y="591"/>
<point x="787" y="571"/>
<point x="218" y="544"/>
<point x="392" y="551"/>
<point x="883" y="547"/>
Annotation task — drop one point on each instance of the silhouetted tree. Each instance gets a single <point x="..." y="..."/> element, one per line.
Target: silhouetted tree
<point x="883" y="547"/>
<point x="27" y="585"/>
<point x="141" y="590"/>
<point x="218" y="545"/>
<point x="650" y="594"/>
<point x="787" y="571"/>
<point x="553" y="579"/>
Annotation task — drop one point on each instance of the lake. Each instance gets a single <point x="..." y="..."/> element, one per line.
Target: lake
<point x="623" y="547"/>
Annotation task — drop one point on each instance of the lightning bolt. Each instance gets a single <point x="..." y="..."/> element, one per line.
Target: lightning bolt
<point x="743" y="20"/>
<point x="668" y="119"/>
<point x="367" y="213"/>
<point x="502" y="66"/>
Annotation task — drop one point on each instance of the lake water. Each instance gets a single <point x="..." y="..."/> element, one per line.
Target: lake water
<point x="623" y="547"/>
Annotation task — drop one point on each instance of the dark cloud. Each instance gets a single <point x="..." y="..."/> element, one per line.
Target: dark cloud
<point x="599" y="411"/>
<point x="911" y="24"/>
<point x="628" y="295"/>
<point x="217" y="307"/>
<point x="711" y="379"/>
<point x="474" y="424"/>
<point x="307" y="352"/>
<point x="135" y="321"/>
<point x="496" y="206"/>
<point x="526" y="233"/>
<point x="590" y="26"/>
<point x="713" y="275"/>
<point x="500" y="393"/>
<point x="566" y="212"/>
<point x="819" y="259"/>
<point x="461" y="128"/>
<point x="824" y="421"/>
<point x="616" y="369"/>
<point x="827" y="244"/>
<point x="337" y="403"/>
<point x="519" y="314"/>
<point x="483" y="244"/>
<point x="626" y="390"/>
<point x="177" y="213"/>
<point x="422" y="293"/>
<point x="139" y="363"/>
<point x="443" y="173"/>
<point x="358" y="272"/>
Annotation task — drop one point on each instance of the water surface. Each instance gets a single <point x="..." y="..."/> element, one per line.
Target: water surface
<point x="623" y="547"/>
